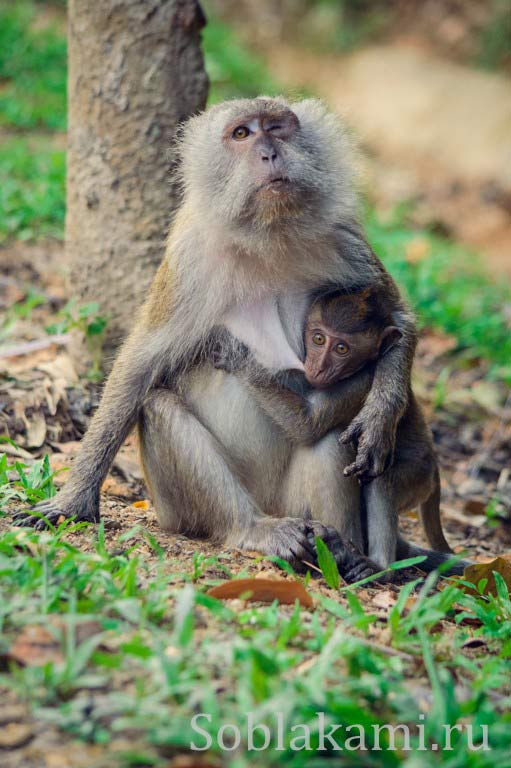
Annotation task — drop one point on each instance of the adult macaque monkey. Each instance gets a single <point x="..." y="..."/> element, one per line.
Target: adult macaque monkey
<point x="268" y="218"/>
<point x="345" y="336"/>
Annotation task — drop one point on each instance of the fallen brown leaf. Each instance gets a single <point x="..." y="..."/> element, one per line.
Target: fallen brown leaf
<point x="15" y="735"/>
<point x="114" y="488"/>
<point x="437" y="343"/>
<point x="410" y="602"/>
<point x="502" y="565"/>
<point x="142" y="504"/>
<point x="474" y="507"/>
<point x="263" y="590"/>
<point x="34" y="647"/>
<point x="384" y="599"/>
<point x="37" y="645"/>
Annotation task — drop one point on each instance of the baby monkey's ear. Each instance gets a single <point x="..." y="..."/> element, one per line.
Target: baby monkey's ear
<point x="389" y="338"/>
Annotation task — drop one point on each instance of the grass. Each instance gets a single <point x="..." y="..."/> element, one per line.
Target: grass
<point x="495" y="43"/>
<point x="233" y="70"/>
<point x="448" y="290"/>
<point x="33" y="66"/>
<point x="32" y="189"/>
<point x="148" y="654"/>
<point x="22" y="484"/>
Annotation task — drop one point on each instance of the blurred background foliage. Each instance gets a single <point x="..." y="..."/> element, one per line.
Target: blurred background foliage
<point x="446" y="285"/>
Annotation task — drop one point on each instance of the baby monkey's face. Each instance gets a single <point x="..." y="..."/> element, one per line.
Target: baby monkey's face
<point x="332" y="355"/>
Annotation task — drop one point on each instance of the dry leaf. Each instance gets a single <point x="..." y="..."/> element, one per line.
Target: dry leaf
<point x="384" y="599"/>
<point x="15" y="735"/>
<point x="474" y="507"/>
<point x="114" y="488"/>
<point x="34" y="647"/>
<point x="68" y="448"/>
<point x="410" y="602"/>
<point x="142" y="504"/>
<point x="263" y="590"/>
<point x="502" y="564"/>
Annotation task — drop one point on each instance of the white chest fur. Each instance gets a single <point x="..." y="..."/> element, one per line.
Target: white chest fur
<point x="259" y="325"/>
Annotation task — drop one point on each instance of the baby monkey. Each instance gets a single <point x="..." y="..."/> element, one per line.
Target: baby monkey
<point x="344" y="335"/>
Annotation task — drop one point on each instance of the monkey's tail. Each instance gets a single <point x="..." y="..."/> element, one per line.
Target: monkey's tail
<point x="429" y="512"/>
<point x="433" y="559"/>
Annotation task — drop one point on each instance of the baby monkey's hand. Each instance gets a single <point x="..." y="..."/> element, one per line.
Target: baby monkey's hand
<point x="227" y="353"/>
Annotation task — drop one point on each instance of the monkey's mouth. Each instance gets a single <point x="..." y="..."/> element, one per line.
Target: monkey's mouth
<point x="277" y="184"/>
<point x="318" y="382"/>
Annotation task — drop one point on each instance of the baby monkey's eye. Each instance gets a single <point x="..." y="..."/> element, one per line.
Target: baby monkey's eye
<point x="318" y="339"/>
<point x="240" y="133"/>
<point x="342" y="349"/>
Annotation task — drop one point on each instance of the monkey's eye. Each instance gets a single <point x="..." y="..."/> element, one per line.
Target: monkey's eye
<point x="318" y="339"/>
<point x="342" y="348"/>
<point x="240" y="133"/>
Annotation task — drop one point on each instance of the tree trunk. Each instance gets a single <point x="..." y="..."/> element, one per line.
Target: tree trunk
<point x="135" y="72"/>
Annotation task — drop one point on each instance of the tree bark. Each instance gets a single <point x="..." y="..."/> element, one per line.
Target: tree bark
<point x="135" y="73"/>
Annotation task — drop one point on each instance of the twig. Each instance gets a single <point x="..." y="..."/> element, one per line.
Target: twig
<point x="26" y="347"/>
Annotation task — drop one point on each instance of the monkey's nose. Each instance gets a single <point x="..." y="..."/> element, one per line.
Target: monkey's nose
<point x="268" y="154"/>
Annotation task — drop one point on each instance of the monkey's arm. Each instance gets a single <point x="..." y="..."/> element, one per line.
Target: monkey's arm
<point x="373" y="430"/>
<point x="136" y="369"/>
<point x="307" y="416"/>
<point x="127" y="385"/>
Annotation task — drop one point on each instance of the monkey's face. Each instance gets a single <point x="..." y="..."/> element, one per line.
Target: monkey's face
<point x="331" y="355"/>
<point x="259" y="161"/>
<point x="258" y="146"/>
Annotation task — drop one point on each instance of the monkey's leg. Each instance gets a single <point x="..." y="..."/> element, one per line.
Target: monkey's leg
<point x="316" y="487"/>
<point x="408" y="483"/>
<point x="196" y="490"/>
<point x="382" y="520"/>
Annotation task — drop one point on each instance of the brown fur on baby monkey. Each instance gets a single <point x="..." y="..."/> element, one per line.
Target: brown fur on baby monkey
<point x="343" y="334"/>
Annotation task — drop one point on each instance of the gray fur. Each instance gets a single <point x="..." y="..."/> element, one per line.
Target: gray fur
<point x="225" y="250"/>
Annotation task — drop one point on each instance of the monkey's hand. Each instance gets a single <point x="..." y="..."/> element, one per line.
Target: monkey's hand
<point x="228" y="353"/>
<point x="82" y="506"/>
<point x="374" y="438"/>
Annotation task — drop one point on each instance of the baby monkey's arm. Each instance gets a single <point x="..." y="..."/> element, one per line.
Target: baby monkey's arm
<point x="303" y="413"/>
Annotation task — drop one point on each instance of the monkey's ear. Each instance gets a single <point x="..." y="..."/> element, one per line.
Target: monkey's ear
<point x="389" y="338"/>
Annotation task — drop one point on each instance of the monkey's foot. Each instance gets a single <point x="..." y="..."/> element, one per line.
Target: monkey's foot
<point x="353" y="565"/>
<point x="51" y="512"/>
<point x="288" y="538"/>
